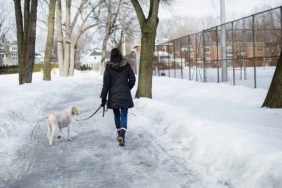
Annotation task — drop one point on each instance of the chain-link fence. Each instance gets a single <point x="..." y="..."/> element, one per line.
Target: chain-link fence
<point x="240" y="52"/>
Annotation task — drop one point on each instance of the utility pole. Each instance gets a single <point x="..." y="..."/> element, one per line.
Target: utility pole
<point x="123" y="28"/>
<point x="223" y="41"/>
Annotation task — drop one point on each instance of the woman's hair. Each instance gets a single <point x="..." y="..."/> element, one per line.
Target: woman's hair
<point x="115" y="53"/>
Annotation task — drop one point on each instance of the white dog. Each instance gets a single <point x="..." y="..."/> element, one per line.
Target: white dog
<point x="60" y="120"/>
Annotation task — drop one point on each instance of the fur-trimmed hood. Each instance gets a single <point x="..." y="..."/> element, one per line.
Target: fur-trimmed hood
<point x="117" y="65"/>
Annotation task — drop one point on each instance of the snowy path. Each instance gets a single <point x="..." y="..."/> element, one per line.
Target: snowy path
<point x="93" y="157"/>
<point x="197" y="135"/>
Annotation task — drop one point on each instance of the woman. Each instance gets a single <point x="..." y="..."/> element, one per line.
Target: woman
<point x="118" y="80"/>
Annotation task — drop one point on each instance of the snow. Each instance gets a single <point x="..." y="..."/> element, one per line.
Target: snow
<point x="217" y="132"/>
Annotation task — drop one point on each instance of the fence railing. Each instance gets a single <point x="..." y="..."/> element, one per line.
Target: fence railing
<point x="245" y="55"/>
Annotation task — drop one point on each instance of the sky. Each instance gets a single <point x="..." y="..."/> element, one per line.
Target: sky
<point x="190" y="133"/>
<point x="199" y="8"/>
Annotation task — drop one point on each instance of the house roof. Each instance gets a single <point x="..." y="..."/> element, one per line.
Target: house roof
<point x="95" y="52"/>
<point x="5" y="51"/>
<point x="161" y="41"/>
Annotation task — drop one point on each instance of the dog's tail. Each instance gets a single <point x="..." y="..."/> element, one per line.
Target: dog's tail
<point x="45" y="117"/>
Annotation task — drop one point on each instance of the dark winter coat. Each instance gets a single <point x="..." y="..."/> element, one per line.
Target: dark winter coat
<point x="118" y="80"/>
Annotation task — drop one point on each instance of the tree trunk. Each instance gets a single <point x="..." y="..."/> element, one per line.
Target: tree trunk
<point x="20" y="41"/>
<point x="60" y="42"/>
<point x="68" y="41"/>
<point x="26" y="32"/>
<point x="274" y="95"/>
<point x="104" y="49"/>
<point x="148" y="28"/>
<point x="144" y="88"/>
<point x="72" y="57"/>
<point x="49" y="43"/>
<point x="66" y="58"/>
<point x="109" y="25"/>
<point x="26" y="45"/>
<point x="31" y="41"/>
<point x="67" y="44"/>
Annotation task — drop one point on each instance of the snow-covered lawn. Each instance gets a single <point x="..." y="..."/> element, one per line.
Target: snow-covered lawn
<point x="217" y="131"/>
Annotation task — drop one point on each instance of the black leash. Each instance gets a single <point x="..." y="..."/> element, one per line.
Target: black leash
<point x="93" y="114"/>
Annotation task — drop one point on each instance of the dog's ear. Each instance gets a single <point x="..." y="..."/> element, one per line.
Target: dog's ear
<point x="74" y="110"/>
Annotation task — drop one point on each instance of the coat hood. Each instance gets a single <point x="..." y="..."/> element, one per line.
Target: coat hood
<point x="117" y="65"/>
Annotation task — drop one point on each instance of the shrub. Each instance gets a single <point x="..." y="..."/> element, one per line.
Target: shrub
<point x="84" y="68"/>
<point x="38" y="67"/>
<point x="12" y="69"/>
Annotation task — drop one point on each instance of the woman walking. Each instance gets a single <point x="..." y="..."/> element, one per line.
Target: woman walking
<point x="118" y="81"/>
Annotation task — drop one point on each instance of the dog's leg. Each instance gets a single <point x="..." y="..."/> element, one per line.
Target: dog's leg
<point x="49" y="130"/>
<point x="68" y="127"/>
<point x="60" y="133"/>
<point x="52" y="134"/>
<point x="49" y="133"/>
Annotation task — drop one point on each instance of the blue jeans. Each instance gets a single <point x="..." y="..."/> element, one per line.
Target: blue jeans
<point x="120" y="117"/>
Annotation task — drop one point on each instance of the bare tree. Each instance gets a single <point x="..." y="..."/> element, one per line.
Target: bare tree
<point x="73" y="31"/>
<point x="4" y="29"/>
<point x="26" y="32"/>
<point x="177" y="27"/>
<point x="49" y="43"/>
<point x="118" y="26"/>
<point x="60" y="39"/>
<point x="7" y="23"/>
<point x="274" y="94"/>
<point x="148" y="26"/>
<point x="82" y="29"/>
<point x="109" y="24"/>
<point x="127" y="27"/>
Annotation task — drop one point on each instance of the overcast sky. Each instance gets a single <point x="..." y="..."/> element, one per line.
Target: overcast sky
<point x="234" y="8"/>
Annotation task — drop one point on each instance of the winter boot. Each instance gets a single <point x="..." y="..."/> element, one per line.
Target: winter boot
<point x="120" y="138"/>
<point x="118" y="132"/>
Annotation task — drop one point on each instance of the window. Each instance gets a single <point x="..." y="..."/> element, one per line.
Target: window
<point x="207" y="49"/>
<point x="229" y="50"/>
<point x="14" y="48"/>
<point x="259" y="48"/>
<point x="184" y="49"/>
<point x="14" y="57"/>
<point x="207" y="59"/>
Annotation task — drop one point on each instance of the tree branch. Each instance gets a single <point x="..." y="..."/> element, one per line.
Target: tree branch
<point x="87" y="28"/>
<point x="78" y="12"/>
<point x="139" y="12"/>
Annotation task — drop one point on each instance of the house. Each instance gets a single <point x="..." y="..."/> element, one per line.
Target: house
<point x="178" y="53"/>
<point x="3" y="56"/>
<point x="242" y="51"/>
<point x="162" y="53"/>
<point x="91" y="58"/>
<point x="195" y="54"/>
<point x="39" y="57"/>
<point x="9" y="54"/>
